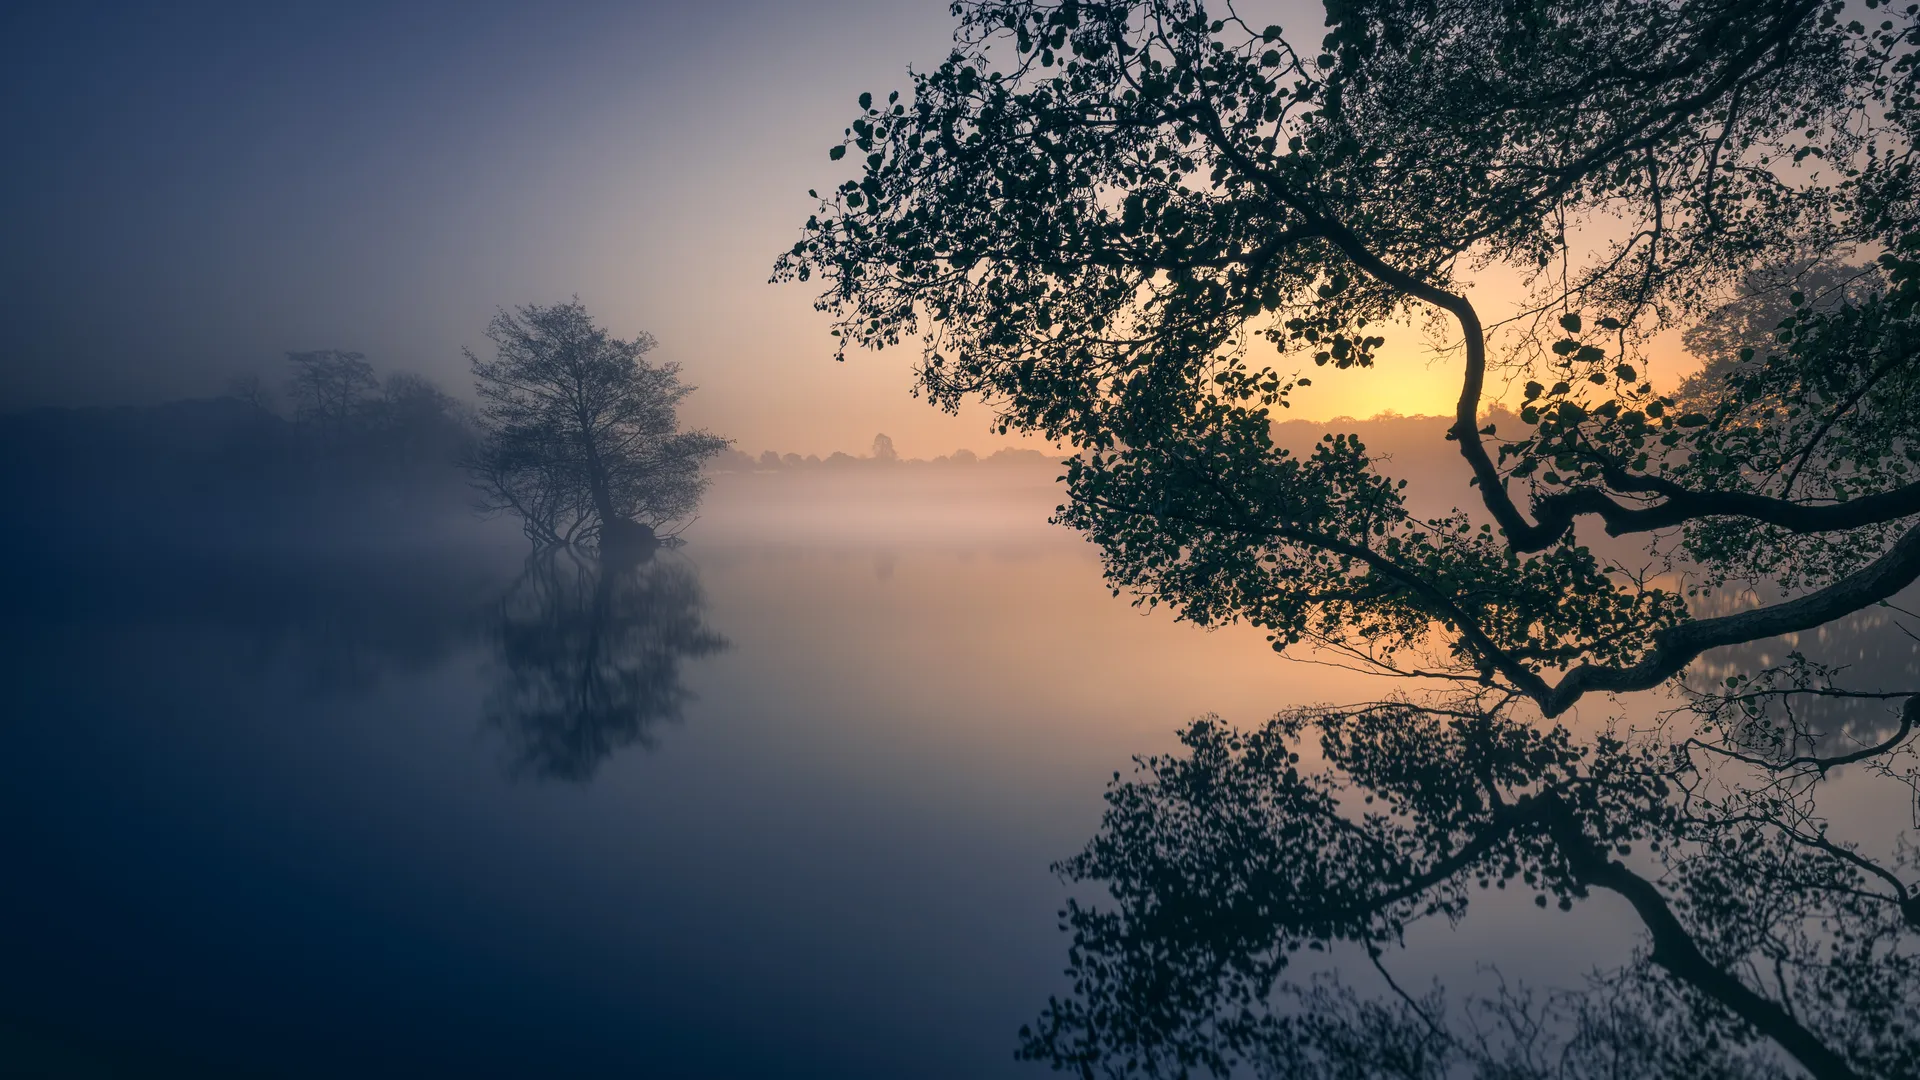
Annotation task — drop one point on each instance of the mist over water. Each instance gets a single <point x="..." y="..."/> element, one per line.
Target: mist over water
<point x="782" y="801"/>
<point x="264" y="798"/>
<point x="453" y="621"/>
<point x="259" y="800"/>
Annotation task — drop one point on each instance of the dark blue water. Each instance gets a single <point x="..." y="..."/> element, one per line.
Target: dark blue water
<point x="779" y="803"/>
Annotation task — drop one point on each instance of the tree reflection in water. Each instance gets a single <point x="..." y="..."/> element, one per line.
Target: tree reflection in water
<point x="586" y="659"/>
<point x="1767" y="941"/>
<point x="1869" y="650"/>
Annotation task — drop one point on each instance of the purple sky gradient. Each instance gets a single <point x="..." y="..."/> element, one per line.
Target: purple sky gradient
<point x="195" y="189"/>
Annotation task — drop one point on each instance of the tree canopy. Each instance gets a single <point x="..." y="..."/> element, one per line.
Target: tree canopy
<point x="1105" y="218"/>
<point x="330" y="387"/>
<point x="581" y="433"/>
<point x="1138" y="227"/>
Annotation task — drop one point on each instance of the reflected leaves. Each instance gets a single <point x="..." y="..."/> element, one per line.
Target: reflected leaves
<point x="586" y="660"/>
<point x="1766" y="941"/>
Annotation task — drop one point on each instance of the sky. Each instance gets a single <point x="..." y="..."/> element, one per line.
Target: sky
<point x="196" y="189"/>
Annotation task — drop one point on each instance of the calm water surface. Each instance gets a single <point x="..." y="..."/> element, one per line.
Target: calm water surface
<point x="780" y="803"/>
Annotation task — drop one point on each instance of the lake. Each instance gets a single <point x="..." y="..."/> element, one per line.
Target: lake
<point x="782" y="802"/>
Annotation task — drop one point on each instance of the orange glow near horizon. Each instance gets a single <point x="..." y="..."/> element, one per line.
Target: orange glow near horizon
<point x="395" y="268"/>
<point x="796" y="399"/>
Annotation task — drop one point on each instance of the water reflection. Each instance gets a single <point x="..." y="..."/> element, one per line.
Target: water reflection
<point x="1869" y="652"/>
<point x="342" y="624"/>
<point x="586" y="659"/>
<point x="291" y="744"/>
<point x="580" y="662"/>
<point x="1767" y="940"/>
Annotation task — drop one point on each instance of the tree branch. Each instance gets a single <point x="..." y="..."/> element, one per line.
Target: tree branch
<point x="1675" y="949"/>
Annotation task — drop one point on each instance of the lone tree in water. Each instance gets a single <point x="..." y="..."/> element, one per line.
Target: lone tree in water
<point x="1127" y="225"/>
<point x="581" y="433"/>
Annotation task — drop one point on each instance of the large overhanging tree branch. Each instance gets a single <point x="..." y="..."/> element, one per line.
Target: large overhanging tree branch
<point x="1670" y="647"/>
<point x="1555" y="513"/>
<point x="1099" y="217"/>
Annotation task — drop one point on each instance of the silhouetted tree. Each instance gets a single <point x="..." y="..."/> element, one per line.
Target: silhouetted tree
<point x="587" y="659"/>
<point x="414" y="424"/>
<point x="1092" y="226"/>
<point x="883" y="449"/>
<point x="1104" y="217"/>
<point x="360" y="438"/>
<point x="1763" y="300"/>
<point x="581" y="436"/>
<point x="251" y="390"/>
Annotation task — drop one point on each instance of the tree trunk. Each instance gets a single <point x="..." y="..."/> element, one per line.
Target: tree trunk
<point x="597" y="480"/>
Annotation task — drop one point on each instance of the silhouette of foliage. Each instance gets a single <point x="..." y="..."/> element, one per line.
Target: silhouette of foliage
<point x="1129" y="225"/>
<point x="581" y="434"/>
<point x="1849" y="662"/>
<point x="1097" y="215"/>
<point x="330" y="387"/>
<point x="1344" y="827"/>
<point x="586" y="659"/>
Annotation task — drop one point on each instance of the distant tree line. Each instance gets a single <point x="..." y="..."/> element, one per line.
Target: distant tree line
<point x="355" y="421"/>
<point x="331" y="448"/>
<point x="576" y="434"/>
<point x="882" y="454"/>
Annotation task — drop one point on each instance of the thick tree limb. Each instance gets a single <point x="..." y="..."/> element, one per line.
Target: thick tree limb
<point x="1675" y="647"/>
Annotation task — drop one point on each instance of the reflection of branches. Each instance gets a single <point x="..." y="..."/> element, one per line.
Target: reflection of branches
<point x="1786" y="697"/>
<point x="1815" y="761"/>
<point x="1613" y="1027"/>
<point x="1783" y="728"/>
<point x="1766" y="935"/>
<point x="587" y="659"/>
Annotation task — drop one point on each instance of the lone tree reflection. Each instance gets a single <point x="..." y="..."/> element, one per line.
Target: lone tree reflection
<point x="586" y="659"/>
<point x="1126" y="224"/>
<point x="581" y="433"/>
